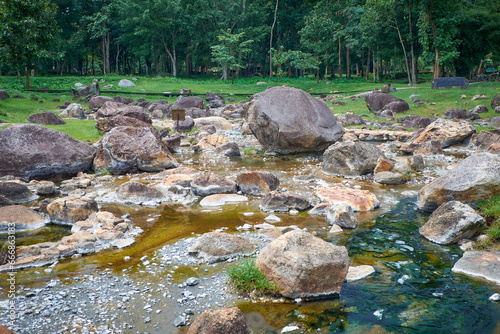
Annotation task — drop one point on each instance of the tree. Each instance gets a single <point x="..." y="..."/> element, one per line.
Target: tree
<point x="27" y="32"/>
<point x="229" y="51"/>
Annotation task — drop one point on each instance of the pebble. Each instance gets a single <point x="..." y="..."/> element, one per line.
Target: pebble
<point x="495" y="297"/>
<point x="180" y="321"/>
<point x="192" y="281"/>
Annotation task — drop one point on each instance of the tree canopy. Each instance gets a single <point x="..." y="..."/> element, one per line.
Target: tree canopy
<point x="379" y="39"/>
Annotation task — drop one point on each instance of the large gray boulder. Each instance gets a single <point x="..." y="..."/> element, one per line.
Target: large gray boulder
<point x="33" y="151"/>
<point x="98" y="101"/>
<point x="127" y="149"/>
<point x="289" y="120"/>
<point x="92" y="89"/>
<point x="477" y="177"/>
<point x="126" y="83"/>
<point x="111" y="109"/>
<point x="106" y="124"/>
<point x="189" y="102"/>
<point x="351" y="158"/>
<point x="133" y="191"/>
<point x="276" y="201"/>
<point x="302" y="265"/>
<point x="74" y="110"/>
<point x="16" y="192"/>
<point x="415" y="121"/>
<point x="380" y="101"/>
<point x="451" y="222"/>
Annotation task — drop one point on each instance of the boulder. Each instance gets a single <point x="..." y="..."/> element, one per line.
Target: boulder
<point x="216" y="104"/>
<point x="128" y="149"/>
<point x="111" y="109"/>
<point x="20" y="218"/>
<point x="126" y="83"/>
<point x="33" y="151"/>
<point x="212" y="96"/>
<point x="447" y="132"/>
<point x="5" y="330"/>
<point x="205" y="185"/>
<point x="98" y="101"/>
<point x="5" y="201"/>
<point x="4" y="95"/>
<point x="350" y="119"/>
<point x="48" y="118"/>
<point x="455" y="113"/>
<point x="198" y="113"/>
<point x="185" y="91"/>
<point x="495" y="101"/>
<point x="121" y="99"/>
<point x="229" y="149"/>
<point x="68" y="210"/>
<point x="451" y="222"/>
<point x="415" y="121"/>
<point x="217" y="246"/>
<point x="74" y="110"/>
<point x="186" y="102"/>
<point x="276" y="201"/>
<point x="304" y="266"/>
<point x="222" y="321"/>
<point x="222" y="199"/>
<point x="476" y="177"/>
<point x="495" y="122"/>
<point x="133" y="191"/>
<point x="357" y="199"/>
<point x="46" y="188"/>
<point x="106" y="124"/>
<point x="351" y="158"/>
<point x="341" y="214"/>
<point x="16" y="192"/>
<point x="388" y="178"/>
<point x="164" y="108"/>
<point x="379" y="102"/>
<point x="426" y="148"/>
<point x="257" y="182"/>
<point x="177" y="170"/>
<point x="289" y="120"/>
<point x="184" y="126"/>
<point x="479" y="109"/>
<point x="479" y="264"/>
<point x="220" y="123"/>
<point x="484" y="139"/>
<point x="212" y="141"/>
<point x="92" y="89"/>
<point x="183" y="180"/>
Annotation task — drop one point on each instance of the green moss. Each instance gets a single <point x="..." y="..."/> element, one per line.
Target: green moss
<point x="247" y="278"/>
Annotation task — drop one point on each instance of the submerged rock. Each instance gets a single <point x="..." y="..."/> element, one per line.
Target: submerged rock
<point x="476" y="177"/>
<point x="359" y="272"/>
<point x="479" y="264"/>
<point x="288" y="120"/>
<point x="223" y="321"/>
<point x="302" y="265"/>
<point x="276" y="201"/>
<point x="451" y="222"/>
<point x="222" y="199"/>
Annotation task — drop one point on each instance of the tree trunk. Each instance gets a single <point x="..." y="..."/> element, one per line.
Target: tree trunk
<point x="368" y="64"/>
<point x="271" y="41"/>
<point x="348" y="63"/>
<point x="362" y="63"/>
<point x="340" y="58"/>
<point x="413" y="78"/>
<point x="28" y="86"/>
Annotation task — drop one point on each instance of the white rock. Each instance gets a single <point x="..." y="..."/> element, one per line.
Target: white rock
<point x="272" y="219"/>
<point x="78" y="84"/>
<point x="495" y="297"/>
<point x="359" y="272"/>
<point x="289" y="328"/>
<point x="335" y="229"/>
<point x="126" y="83"/>
<point x="122" y="243"/>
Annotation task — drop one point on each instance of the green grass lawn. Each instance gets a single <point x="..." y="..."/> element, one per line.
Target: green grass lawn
<point x="17" y="110"/>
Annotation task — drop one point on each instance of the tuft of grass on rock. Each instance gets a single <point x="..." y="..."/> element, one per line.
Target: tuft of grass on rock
<point x="491" y="209"/>
<point x="248" y="279"/>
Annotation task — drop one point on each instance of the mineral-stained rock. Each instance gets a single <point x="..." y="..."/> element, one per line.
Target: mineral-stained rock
<point x="341" y="214"/>
<point x="452" y="222"/>
<point x="302" y="265"/>
<point x="68" y="210"/>
<point x="257" y="182"/>
<point x="351" y="158"/>
<point x="276" y="201"/>
<point x="205" y="185"/>
<point x="218" y="246"/>
<point x="288" y="120"/>
<point x="223" y="321"/>
<point x="447" y="132"/>
<point x="476" y="177"/>
<point x="33" y="151"/>
<point x="479" y="264"/>
<point x="359" y="200"/>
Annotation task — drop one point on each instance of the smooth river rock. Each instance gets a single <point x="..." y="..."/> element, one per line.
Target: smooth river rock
<point x="451" y="222"/>
<point x="223" y="321"/>
<point x="222" y="199"/>
<point x="302" y="265"/>
<point x="218" y="246"/>
<point x="24" y="218"/>
<point x="288" y="120"/>
<point x="479" y="264"/>
<point x="476" y="177"/>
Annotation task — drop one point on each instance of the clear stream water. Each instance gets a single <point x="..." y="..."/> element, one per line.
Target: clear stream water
<point x="412" y="291"/>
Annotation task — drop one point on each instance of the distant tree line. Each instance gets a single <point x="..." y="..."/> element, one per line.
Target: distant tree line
<point x="271" y="38"/>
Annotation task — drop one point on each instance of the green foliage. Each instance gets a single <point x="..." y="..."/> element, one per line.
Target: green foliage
<point x="491" y="209"/>
<point x="230" y="51"/>
<point x="247" y="278"/>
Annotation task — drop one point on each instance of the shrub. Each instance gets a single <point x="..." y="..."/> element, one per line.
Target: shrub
<point x="247" y="278"/>
<point x="491" y="209"/>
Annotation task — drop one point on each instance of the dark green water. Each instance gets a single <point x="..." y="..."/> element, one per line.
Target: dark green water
<point x="429" y="297"/>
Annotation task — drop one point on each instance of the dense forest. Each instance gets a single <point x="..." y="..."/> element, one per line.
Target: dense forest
<point x="331" y="39"/>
